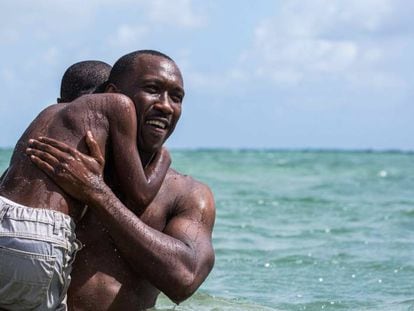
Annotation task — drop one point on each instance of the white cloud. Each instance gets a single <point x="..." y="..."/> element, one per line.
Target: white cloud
<point x="308" y="40"/>
<point x="47" y="18"/>
<point x="175" y="13"/>
<point x="128" y="36"/>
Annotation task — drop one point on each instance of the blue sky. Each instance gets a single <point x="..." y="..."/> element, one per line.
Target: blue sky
<point x="258" y="74"/>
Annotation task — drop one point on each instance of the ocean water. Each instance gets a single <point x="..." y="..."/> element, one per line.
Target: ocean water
<point x="305" y="230"/>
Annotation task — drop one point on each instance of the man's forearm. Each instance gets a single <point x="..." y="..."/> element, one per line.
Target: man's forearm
<point x="168" y="263"/>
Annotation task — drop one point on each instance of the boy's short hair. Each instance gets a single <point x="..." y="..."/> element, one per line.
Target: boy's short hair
<point x="82" y="78"/>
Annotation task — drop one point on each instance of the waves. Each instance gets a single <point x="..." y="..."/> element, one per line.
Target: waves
<point x="312" y="230"/>
<point x="306" y="230"/>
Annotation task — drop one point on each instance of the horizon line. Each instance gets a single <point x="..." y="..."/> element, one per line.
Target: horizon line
<point x="282" y="149"/>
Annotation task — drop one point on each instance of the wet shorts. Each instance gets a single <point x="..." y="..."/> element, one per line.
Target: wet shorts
<point x="37" y="249"/>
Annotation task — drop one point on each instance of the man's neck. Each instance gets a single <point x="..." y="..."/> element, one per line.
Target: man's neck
<point x="146" y="158"/>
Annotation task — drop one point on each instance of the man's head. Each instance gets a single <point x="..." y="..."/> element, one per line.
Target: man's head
<point x="154" y="82"/>
<point x="83" y="78"/>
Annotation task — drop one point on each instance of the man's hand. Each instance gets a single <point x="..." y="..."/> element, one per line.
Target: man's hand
<point x="77" y="174"/>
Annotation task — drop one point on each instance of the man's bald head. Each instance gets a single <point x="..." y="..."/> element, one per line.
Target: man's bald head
<point x="154" y="83"/>
<point x="125" y="65"/>
<point x="82" y="78"/>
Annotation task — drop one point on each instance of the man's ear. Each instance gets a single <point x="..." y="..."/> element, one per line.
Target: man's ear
<point x="111" y="88"/>
<point x="59" y="100"/>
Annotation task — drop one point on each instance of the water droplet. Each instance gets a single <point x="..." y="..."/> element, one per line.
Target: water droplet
<point x="267" y="265"/>
<point x="382" y="174"/>
<point x="379" y="281"/>
<point x="327" y="230"/>
<point x="299" y="296"/>
<point x="320" y="279"/>
<point x="353" y="276"/>
<point x="396" y="271"/>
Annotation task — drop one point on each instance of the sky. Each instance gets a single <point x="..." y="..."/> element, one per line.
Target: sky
<point x="325" y="74"/>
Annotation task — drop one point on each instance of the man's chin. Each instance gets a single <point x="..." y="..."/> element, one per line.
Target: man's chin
<point x="152" y="142"/>
<point x="151" y="147"/>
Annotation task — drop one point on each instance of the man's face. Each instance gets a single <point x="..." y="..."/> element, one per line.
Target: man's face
<point x="157" y="91"/>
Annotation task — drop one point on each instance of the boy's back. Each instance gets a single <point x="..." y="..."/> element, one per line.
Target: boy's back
<point x="27" y="185"/>
<point x="37" y="237"/>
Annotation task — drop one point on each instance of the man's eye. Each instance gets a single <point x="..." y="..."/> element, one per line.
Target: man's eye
<point x="151" y="88"/>
<point x="177" y="98"/>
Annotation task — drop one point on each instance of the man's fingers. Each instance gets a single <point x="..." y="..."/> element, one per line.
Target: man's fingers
<point x="43" y="156"/>
<point x="62" y="147"/>
<point x="46" y="148"/>
<point x="94" y="148"/>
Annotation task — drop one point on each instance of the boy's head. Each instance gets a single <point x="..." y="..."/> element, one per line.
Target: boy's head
<point x="83" y="78"/>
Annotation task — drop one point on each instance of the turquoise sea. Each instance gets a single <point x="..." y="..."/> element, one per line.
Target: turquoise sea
<point x="305" y="230"/>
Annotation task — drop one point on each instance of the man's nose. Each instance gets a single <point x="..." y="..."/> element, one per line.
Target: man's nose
<point x="164" y="104"/>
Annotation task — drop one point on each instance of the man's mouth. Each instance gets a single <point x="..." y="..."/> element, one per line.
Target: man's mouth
<point x="160" y="124"/>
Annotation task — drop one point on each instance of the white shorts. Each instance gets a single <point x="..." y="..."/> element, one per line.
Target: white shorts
<point x="37" y="249"/>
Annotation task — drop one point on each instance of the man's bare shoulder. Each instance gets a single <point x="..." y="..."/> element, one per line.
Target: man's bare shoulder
<point x="189" y="194"/>
<point x="184" y="182"/>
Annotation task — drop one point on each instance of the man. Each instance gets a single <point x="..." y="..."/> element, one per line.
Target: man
<point x="38" y="244"/>
<point x="79" y="79"/>
<point x="129" y="256"/>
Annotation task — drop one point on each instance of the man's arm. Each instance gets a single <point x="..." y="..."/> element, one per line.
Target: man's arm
<point x="177" y="260"/>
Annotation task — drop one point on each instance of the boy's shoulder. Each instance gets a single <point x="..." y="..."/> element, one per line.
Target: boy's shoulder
<point x="103" y="98"/>
<point x="111" y="105"/>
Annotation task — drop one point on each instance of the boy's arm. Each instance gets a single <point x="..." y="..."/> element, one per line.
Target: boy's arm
<point x="138" y="189"/>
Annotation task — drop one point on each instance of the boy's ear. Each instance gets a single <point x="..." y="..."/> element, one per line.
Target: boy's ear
<point x="111" y="88"/>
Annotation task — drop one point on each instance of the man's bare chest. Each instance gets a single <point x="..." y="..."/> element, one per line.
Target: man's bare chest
<point x="155" y="215"/>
